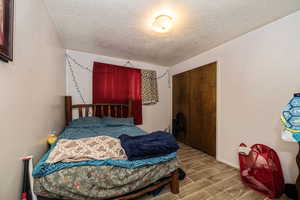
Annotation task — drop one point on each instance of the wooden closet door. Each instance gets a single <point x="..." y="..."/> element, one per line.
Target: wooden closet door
<point x="203" y="108"/>
<point x="181" y="99"/>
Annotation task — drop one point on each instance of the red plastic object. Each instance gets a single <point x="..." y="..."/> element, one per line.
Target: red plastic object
<point x="261" y="170"/>
<point x="24" y="196"/>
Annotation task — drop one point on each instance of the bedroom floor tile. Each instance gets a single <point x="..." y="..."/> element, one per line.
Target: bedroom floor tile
<point x="207" y="179"/>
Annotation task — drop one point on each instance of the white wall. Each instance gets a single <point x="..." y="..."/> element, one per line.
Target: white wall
<point x="257" y="75"/>
<point x="31" y="88"/>
<point x="155" y="117"/>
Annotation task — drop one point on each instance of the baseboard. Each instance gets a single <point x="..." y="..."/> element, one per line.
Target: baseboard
<point x="229" y="163"/>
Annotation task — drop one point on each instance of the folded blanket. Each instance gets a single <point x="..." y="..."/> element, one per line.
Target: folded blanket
<point x="84" y="149"/>
<point x="148" y="146"/>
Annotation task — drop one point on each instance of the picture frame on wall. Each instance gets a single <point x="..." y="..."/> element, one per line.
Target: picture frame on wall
<point x="6" y="29"/>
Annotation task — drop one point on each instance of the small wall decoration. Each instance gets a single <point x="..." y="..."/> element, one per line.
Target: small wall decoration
<point x="6" y="29"/>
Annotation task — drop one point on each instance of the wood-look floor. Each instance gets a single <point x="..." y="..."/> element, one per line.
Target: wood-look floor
<point x="207" y="179"/>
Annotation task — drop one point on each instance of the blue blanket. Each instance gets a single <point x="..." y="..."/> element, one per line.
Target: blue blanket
<point x="148" y="146"/>
<point x="75" y="132"/>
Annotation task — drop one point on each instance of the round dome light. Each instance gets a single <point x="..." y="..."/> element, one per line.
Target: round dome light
<point x="162" y="23"/>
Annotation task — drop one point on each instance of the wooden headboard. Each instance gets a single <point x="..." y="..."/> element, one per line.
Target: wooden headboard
<point x="105" y="109"/>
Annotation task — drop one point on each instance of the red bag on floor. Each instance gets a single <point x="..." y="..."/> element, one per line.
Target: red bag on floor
<point x="261" y="170"/>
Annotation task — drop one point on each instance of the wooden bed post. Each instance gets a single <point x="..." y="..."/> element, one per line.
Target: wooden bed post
<point x="174" y="184"/>
<point x="68" y="108"/>
<point x="130" y="107"/>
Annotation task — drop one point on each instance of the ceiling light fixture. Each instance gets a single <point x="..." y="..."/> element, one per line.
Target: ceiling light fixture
<point x="162" y="23"/>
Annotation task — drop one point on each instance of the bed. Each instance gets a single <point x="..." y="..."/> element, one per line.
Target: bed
<point x="102" y="179"/>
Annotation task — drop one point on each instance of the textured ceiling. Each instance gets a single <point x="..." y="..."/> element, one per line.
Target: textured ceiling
<point x="120" y="28"/>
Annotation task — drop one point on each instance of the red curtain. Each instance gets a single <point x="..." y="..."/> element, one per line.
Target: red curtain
<point x="116" y="84"/>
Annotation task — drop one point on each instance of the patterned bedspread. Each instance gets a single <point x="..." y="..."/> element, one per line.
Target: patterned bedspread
<point x="100" y="182"/>
<point x="98" y="179"/>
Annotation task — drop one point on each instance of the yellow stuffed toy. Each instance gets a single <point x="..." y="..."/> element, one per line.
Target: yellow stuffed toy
<point x="51" y="138"/>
